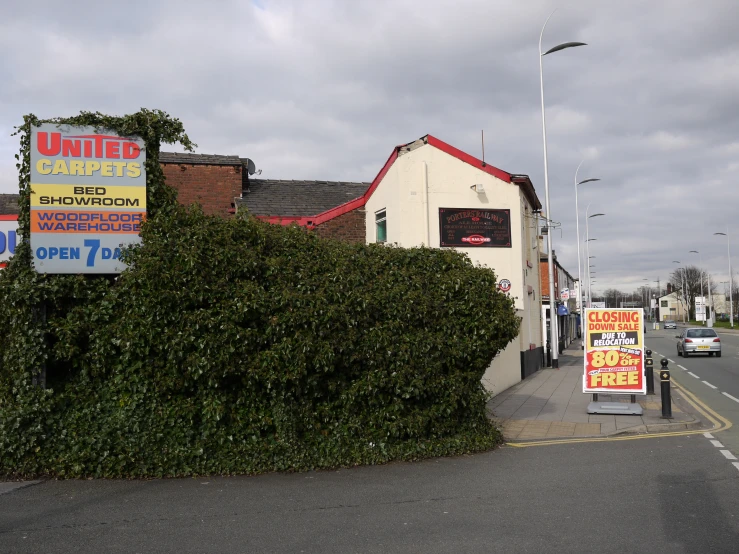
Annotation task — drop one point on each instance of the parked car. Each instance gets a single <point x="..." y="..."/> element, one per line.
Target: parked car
<point x="669" y="324"/>
<point x="698" y="340"/>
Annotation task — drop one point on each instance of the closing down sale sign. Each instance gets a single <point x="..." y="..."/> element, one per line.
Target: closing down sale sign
<point x="614" y="351"/>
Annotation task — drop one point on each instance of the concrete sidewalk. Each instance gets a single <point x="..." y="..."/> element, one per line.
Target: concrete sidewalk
<point x="551" y="404"/>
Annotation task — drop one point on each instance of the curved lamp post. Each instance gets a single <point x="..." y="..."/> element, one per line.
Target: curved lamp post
<point x="577" y="224"/>
<point x="553" y="335"/>
<point x="587" y="251"/>
<point x="731" y="277"/>
<point x="587" y="234"/>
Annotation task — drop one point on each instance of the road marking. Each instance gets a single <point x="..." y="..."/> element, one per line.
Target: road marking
<point x="671" y="361"/>
<point x="728" y="455"/>
<point x="693" y="374"/>
<point x="710" y="385"/>
<point x="684" y="368"/>
<point x="717" y="444"/>
<point x="735" y="464"/>
<point x="708" y="435"/>
<point x="734" y="398"/>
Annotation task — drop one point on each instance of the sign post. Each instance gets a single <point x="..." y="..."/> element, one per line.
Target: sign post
<point x="700" y="308"/>
<point x="614" y="358"/>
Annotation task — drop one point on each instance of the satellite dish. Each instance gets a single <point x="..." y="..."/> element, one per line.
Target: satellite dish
<point x="250" y="167"/>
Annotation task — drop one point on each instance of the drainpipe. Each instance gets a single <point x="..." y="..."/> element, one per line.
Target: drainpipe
<point x="426" y="214"/>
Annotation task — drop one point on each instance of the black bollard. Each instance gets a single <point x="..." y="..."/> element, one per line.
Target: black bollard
<point x="664" y="378"/>
<point x="649" y="369"/>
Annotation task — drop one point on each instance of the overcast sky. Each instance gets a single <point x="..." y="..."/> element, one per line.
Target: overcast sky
<point x="325" y="89"/>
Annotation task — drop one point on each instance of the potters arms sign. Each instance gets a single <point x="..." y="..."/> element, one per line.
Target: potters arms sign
<point x="467" y="227"/>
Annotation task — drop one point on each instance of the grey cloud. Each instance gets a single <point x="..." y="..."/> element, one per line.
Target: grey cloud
<point x="325" y="89"/>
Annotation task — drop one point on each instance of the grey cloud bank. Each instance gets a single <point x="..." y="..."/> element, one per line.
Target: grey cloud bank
<point x="325" y="89"/>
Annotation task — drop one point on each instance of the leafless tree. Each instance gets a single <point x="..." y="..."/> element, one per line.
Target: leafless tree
<point x="686" y="282"/>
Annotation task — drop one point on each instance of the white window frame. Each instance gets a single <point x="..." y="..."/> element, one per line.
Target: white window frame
<point x="380" y="217"/>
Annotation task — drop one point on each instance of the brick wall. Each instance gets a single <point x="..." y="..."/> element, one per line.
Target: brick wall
<point x="215" y="186"/>
<point x="349" y="227"/>
<point x="544" y="272"/>
<point x="212" y="186"/>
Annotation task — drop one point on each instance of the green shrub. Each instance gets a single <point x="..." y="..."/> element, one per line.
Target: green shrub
<point x="236" y="346"/>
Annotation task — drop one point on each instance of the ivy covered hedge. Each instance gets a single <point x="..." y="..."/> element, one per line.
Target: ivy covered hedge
<point x="235" y="346"/>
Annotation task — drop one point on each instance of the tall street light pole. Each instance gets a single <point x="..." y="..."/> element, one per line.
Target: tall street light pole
<point x="553" y="335"/>
<point x="703" y="300"/>
<point x="645" y="298"/>
<point x="587" y="233"/>
<point x="577" y="224"/>
<point x="587" y="253"/>
<point x="731" y="277"/>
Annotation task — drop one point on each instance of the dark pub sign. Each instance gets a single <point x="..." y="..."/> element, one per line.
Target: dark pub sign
<point x="467" y="227"/>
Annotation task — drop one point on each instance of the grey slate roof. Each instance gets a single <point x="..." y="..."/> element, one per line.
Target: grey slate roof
<point x="298" y="198"/>
<point x="9" y="204"/>
<point x="202" y="159"/>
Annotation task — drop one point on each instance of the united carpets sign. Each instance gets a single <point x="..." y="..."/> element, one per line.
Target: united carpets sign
<point x="467" y="227"/>
<point x="88" y="198"/>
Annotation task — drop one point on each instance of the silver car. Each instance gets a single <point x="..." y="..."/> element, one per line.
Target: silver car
<point x="669" y="324"/>
<point x="697" y="340"/>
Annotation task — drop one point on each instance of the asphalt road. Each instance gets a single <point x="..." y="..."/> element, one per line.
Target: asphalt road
<point x="713" y="380"/>
<point x="671" y="494"/>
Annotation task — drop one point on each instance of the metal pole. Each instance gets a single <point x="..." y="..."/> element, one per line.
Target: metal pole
<point x="579" y="274"/>
<point x="710" y="298"/>
<point x="703" y="298"/>
<point x="553" y="335"/>
<point x="664" y="382"/>
<point x="685" y="297"/>
<point x="731" y="280"/>
<point x="587" y="248"/>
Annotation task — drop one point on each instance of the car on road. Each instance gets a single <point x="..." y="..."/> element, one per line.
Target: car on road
<point x="697" y="340"/>
<point x="669" y="324"/>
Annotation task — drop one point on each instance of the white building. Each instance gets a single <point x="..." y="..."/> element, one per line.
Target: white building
<point x="672" y="306"/>
<point x="430" y="193"/>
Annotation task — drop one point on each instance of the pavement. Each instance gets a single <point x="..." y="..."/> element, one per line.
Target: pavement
<point x="550" y="405"/>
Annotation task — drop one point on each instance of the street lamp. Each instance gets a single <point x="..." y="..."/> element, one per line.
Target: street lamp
<point x="577" y="225"/>
<point x="553" y="335"/>
<point x="646" y="295"/>
<point x="731" y="277"/>
<point x="587" y="251"/>
<point x="703" y="300"/>
<point x="587" y="233"/>
<point x="682" y="284"/>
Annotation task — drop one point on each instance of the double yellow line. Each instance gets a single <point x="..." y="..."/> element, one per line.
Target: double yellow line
<point x="719" y="423"/>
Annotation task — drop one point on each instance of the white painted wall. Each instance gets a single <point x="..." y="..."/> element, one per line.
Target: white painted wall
<point x="425" y="179"/>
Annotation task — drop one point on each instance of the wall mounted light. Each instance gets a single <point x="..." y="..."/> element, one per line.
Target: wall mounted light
<point x="479" y="188"/>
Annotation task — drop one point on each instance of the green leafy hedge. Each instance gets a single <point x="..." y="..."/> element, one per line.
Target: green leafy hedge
<point x="235" y="346"/>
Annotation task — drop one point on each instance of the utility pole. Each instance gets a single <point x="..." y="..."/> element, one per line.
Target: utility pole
<point x="710" y="301"/>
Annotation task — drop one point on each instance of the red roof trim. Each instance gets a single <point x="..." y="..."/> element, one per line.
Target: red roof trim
<point x="381" y="175"/>
<point x="474" y="162"/>
<point x="347" y="207"/>
<point x="12" y="217"/>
